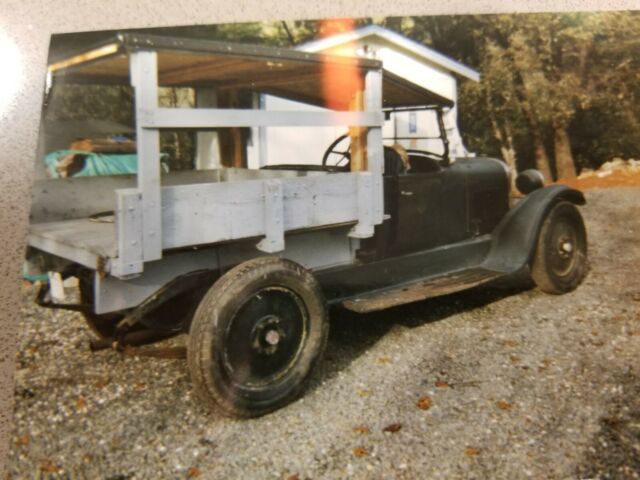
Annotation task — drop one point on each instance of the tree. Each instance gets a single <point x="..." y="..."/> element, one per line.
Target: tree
<point x="548" y="72"/>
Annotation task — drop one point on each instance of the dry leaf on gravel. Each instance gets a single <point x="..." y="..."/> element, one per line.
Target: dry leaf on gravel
<point x="510" y="343"/>
<point x="503" y="405"/>
<point x="23" y="440"/>
<point x="392" y="428"/>
<point x="383" y="360"/>
<point x="360" y="452"/>
<point x="81" y="404"/>
<point x="295" y="476"/>
<point x="363" y="392"/>
<point x="193" y="472"/>
<point x="102" y="382"/>
<point x="471" y="451"/>
<point x="424" y="403"/>
<point x="49" y="467"/>
<point x="442" y="384"/>
<point x="362" y="429"/>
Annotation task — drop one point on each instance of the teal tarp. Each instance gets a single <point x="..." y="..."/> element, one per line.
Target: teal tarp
<point x="95" y="164"/>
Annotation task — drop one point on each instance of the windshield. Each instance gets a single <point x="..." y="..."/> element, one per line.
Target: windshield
<point x="417" y="128"/>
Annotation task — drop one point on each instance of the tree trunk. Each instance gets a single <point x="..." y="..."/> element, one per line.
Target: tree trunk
<point x="510" y="150"/>
<point x="504" y="138"/>
<point x="565" y="167"/>
<point x="504" y="41"/>
<point x="540" y="152"/>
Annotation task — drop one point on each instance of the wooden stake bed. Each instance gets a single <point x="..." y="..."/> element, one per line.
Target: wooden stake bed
<point x="151" y="218"/>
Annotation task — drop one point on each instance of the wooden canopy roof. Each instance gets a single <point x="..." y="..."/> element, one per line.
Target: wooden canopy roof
<point x="292" y="74"/>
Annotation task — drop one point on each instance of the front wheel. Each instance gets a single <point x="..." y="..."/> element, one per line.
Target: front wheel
<point x="256" y="336"/>
<point x="560" y="261"/>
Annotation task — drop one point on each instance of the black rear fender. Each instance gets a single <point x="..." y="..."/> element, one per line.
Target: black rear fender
<point x="514" y="239"/>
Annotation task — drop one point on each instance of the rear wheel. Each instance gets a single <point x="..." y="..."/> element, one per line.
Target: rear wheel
<point x="256" y="337"/>
<point x="560" y="261"/>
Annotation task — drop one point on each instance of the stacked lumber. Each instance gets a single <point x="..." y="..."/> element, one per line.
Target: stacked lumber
<point x="104" y="145"/>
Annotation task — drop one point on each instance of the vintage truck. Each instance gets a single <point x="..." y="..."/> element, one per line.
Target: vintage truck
<point x="247" y="261"/>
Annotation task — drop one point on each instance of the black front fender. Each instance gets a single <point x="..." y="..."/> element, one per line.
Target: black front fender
<point x="515" y="237"/>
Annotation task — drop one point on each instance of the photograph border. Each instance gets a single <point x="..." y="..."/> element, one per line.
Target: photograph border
<point x="26" y="27"/>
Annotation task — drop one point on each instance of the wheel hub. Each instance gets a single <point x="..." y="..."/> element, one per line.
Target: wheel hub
<point x="563" y="256"/>
<point x="565" y="247"/>
<point x="272" y="337"/>
<point x="267" y="334"/>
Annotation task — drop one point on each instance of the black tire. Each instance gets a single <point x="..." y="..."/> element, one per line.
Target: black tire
<point x="560" y="261"/>
<point x="256" y="337"/>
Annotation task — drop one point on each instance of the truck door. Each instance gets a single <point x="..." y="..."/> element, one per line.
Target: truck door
<point x="416" y="219"/>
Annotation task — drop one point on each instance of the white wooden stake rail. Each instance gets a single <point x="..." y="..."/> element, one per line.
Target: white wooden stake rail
<point x="152" y="218"/>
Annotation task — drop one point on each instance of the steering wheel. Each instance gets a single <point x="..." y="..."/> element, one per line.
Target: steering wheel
<point x="338" y="157"/>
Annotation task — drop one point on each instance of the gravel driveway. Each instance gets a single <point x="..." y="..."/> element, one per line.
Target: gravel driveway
<point x="498" y="382"/>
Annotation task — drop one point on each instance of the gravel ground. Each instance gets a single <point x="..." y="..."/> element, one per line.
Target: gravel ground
<point x="513" y="383"/>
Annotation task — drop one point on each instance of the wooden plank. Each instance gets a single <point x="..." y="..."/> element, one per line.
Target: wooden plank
<point x="207" y="142"/>
<point x="373" y="139"/>
<point x="364" y="227"/>
<point x="273" y="79"/>
<point x="144" y="78"/>
<point x="233" y="149"/>
<point x="192" y="118"/>
<point x="210" y="70"/>
<point x="93" y="236"/>
<point x="129" y="234"/>
<point x="202" y="214"/>
<point x="89" y="56"/>
<point x="81" y="241"/>
<point x="358" y="137"/>
<point x="103" y="145"/>
<point x="273" y="217"/>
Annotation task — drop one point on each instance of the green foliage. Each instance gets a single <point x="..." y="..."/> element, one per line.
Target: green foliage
<point x="90" y="102"/>
<point x="577" y="69"/>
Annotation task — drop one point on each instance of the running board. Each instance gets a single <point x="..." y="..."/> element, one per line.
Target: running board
<point x="420" y="290"/>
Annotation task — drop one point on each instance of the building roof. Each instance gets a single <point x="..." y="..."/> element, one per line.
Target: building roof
<point x="422" y="51"/>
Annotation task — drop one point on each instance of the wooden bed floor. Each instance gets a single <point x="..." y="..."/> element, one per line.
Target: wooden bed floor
<point x="74" y="239"/>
